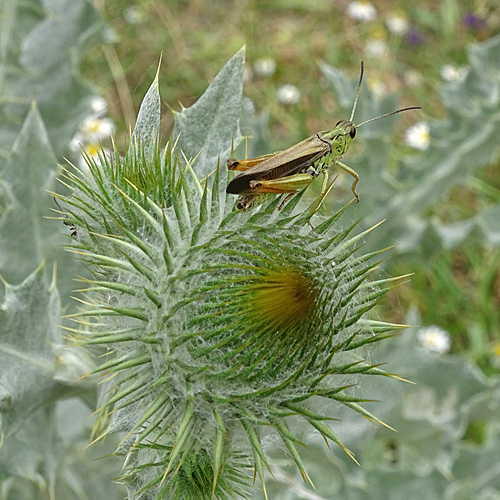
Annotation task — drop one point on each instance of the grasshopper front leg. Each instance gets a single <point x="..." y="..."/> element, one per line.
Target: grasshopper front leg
<point x="352" y="172"/>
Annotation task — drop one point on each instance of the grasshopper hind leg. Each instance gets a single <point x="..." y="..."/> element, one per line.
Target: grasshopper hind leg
<point x="285" y="185"/>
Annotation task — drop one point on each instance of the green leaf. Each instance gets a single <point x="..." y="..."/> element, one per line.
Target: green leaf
<point x="26" y="237"/>
<point x="485" y="57"/>
<point x="476" y="472"/>
<point x="29" y="318"/>
<point x="484" y="226"/>
<point x="36" y="368"/>
<point x="209" y="127"/>
<point x="148" y="120"/>
<point x="40" y="48"/>
<point x="53" y="441"/>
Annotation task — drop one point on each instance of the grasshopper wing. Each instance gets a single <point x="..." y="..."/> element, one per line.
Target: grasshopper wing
<point x="282" y="164"/>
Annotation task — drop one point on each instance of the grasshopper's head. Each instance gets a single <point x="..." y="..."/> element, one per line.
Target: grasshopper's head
<point x="347" y="129"/>
<point x="341" y="136"/>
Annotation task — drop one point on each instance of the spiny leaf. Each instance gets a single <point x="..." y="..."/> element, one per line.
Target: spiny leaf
<point x="209" y="126"/>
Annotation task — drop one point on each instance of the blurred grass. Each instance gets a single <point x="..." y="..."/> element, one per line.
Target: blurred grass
<point x="458" y="290"/>
<point x="197" y="37"/>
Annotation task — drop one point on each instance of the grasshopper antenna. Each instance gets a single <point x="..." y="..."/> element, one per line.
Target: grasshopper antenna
<point x="388" y="114"/>
<point x="357" y="92"/>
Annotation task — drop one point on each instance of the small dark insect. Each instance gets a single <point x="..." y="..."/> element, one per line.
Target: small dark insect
<point x="72" y="227"/>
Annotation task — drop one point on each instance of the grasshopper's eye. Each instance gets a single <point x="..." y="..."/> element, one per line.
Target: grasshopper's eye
<point x="352" y="132"/>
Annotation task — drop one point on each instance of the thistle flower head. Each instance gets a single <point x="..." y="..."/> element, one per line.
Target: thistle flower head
<point x="218" y="321"/>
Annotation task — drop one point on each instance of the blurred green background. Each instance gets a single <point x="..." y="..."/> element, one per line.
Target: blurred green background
<point x="438" y="186"/>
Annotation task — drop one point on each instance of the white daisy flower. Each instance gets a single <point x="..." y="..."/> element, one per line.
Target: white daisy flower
<point x="93" y="129"/>
<point x="435" y="339"/>
<point x="97" y="128"/>
<point x="93" y="151"/>
<point x="376" y="48"/>
<point x="397" y="23"/>
<point x="418" y="136"/>
<point x="361" y="10"/>
<point x="75" y="144"/>
<point x="264" y="66"/>
<point x="248" y="105"/>
<point x="288" y="94"/>
<point x="99" y="106"/>
<point x="133" y="15"/>
<point x="452" y="73"/>
<point x="110" y="35"/>
<point x="413" y="78"/>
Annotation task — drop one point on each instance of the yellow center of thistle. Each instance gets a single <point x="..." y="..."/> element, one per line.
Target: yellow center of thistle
<point x="282" y="299"/>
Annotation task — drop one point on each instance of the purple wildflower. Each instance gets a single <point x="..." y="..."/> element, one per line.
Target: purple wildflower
<point x="414" y="37"/>
<point x="473" y="22"/>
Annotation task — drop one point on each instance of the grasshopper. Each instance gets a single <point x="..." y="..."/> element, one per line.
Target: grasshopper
<point x="286" y="172"/>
